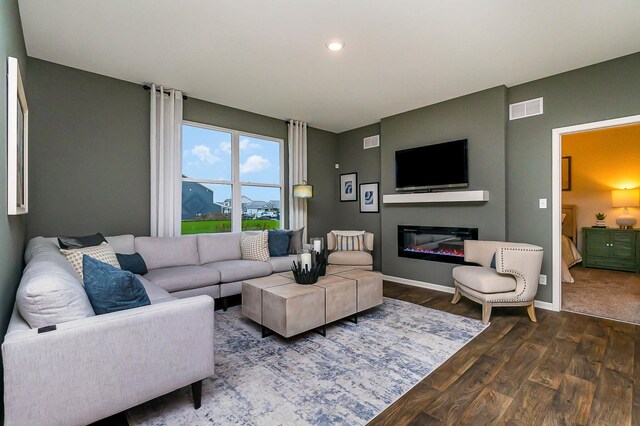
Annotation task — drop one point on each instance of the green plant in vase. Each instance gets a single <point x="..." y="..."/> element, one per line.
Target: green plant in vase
<point x="600" y="217"/>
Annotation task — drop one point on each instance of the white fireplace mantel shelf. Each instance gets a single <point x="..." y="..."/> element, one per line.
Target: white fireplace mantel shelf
<point x="437" y="197"/>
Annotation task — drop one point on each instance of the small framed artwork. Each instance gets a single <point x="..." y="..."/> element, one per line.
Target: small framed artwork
<point x="369" y="202"/>
<point x="17" y="141"/>
<point x="566" y="173"/>
<point x="348" y="185"/>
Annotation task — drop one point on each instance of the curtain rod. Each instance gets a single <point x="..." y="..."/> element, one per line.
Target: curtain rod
<point x="147" y="87"/>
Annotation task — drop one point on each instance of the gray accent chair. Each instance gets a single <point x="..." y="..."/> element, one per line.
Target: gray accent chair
<point x="354" y="259"/>
<point x="513" y="282"/>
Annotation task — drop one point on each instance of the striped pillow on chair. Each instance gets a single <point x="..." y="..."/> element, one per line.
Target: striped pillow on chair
<point x="350" y="242"/>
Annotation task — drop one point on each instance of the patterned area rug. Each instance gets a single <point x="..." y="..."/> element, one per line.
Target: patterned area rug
<point x="603" y="293"/>
<point x="348" y="377"/>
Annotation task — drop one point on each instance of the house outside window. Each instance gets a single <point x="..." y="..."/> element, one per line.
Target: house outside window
<point x="231" y="180"/>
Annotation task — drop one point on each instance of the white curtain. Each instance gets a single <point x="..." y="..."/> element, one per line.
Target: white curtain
<point x="166" y="161"/>
<point x="297" y="174"/>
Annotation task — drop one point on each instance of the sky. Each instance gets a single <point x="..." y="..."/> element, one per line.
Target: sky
<point x="206" y="154"/>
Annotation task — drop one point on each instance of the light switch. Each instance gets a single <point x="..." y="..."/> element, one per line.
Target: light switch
<point x="337" y="166"/>
<point x="543" y="279"/>
<point x="543" y="203"/>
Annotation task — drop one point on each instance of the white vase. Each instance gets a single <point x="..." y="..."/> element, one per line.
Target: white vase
<point x="600" y="223"/>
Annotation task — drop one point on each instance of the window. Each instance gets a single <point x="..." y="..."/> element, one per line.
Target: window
<point x="231" y="180"/>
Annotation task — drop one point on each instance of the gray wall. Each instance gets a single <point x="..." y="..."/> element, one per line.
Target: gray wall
<point x="480" y="118"/>
<point x="607" y="90"/>
<point x="90" y="151"/>
<point x="366" y="162"/>
<point x="12" y="228"/>
<point x="321" y="155"/>
<point x="89" y="159"/>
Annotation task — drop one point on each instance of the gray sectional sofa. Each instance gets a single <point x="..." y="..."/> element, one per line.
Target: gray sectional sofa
<point x="89" y="367"/>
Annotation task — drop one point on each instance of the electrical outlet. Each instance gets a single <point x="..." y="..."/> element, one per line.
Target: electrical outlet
<point x="337" y="166"/>
<point x="542" y="203"/>
<point x="543" y="279"/>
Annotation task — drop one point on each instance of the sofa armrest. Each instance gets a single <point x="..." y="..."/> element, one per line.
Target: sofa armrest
<point x="95" y="367"/>
<point x="523" y="263"/>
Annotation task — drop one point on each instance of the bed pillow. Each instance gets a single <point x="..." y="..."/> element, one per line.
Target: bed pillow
<point x="103" y="253"/>
<point x="111" y="289"/>
<point x="255" y="246"/>
<point x="279" y="242"/>
<point x="80" y="242"/>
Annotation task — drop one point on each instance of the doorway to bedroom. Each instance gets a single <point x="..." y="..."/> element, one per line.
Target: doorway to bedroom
<point x="600" y="239"/>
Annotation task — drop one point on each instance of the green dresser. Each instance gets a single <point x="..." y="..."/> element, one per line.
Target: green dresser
<point x="611" y="248"/>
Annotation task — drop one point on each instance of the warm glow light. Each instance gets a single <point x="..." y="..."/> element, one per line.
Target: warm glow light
<point x="625" y="198"/>
<point x="335" y="45"/>
<point x="302" y="191"/>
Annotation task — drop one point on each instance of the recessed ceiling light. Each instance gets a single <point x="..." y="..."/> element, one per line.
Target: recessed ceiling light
<point x="335" y="45"/>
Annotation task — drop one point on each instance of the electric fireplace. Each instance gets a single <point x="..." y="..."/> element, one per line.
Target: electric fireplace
<point x="437" y="243"/>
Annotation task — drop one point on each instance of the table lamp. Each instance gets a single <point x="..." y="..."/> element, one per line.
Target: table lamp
<point x="625" y="198"/>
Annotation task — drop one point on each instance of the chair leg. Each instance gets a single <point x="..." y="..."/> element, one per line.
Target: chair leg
<point x="532" y="312"/>
<point x="486" y="312"/>
<point x="456" y="297"/>
<point x="196" y="392"/>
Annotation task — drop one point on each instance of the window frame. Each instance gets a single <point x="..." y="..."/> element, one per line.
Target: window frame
<point x="235" y="182"/>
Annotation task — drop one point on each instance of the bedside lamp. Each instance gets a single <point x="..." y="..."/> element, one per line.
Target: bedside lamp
<point x="625" y="198"/>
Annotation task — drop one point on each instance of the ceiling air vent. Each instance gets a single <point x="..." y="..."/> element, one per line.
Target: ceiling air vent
<point x="371" y="142"/>
<point x="525" y="109"/>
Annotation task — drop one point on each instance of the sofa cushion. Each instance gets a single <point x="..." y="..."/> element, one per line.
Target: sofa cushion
<point x="168" y="252"/>
<point x="217" y="247"/>
<point x="50" y="291"/>
<point x="255" y="246"/>
<point x="132" y="263"/>
<point x="484" y="280"/>
<point x="111" y="289"/>
<point x="352" y="258"/>
<point x="156" y="293"/>
<point x="183" y="277"/>
<point x="103" y="253"/>
<point x="282" y="264"/>
<point x="238" y="270"/>
<point x="122" y="243"/>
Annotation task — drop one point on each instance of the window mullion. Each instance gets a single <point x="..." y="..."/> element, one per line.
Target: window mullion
<point x="236" y="212"/>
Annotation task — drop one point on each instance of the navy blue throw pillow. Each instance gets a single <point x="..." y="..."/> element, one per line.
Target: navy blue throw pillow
<point x="493" y="261"/>
<point x="111" y="289"/>
<point x="279" y="242"/>
<point x="132" y="263"/>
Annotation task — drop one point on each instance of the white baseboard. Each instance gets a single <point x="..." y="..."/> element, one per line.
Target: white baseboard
<point x="445" y="289"/>
<point x="437" y="287"/>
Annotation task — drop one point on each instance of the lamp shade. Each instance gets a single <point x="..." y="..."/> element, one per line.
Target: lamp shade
<point x="625" y="198"/>
<point x="302" y="191"/>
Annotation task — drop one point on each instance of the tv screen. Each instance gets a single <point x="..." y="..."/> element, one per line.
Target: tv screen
<point x="442" y="165"/>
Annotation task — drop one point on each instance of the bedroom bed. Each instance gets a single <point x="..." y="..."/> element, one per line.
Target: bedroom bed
<point x="570" y="253"/>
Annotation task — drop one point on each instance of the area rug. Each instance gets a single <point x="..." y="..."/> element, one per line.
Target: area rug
<point x="603" y="293"/>
<point x="347" y="378"/>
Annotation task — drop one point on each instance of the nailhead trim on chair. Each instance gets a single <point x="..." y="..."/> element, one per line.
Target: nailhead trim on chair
<point x="513" y="272"/>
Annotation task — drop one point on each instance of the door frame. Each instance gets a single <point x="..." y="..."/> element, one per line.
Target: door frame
<point x="556" y="182"/>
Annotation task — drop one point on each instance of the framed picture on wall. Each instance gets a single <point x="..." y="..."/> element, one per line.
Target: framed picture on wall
<point x="17" y="141"/>
<point x="566" y="173"/>
<point x="348" y="186"/>
<point x="369" y="202"/>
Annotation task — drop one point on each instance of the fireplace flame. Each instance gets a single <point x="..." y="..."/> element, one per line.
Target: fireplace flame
<point x="440" y="251"/>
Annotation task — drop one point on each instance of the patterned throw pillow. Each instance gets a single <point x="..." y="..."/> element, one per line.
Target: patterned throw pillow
<point x="350" y="242"/>
<point x="103" y="253"/>
<point x="255" y="246"/>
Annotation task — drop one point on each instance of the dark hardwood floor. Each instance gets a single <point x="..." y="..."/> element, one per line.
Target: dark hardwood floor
<point x="566" y="369"/>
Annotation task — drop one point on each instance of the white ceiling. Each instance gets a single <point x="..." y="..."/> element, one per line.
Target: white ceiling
<point x="269" y="57"/>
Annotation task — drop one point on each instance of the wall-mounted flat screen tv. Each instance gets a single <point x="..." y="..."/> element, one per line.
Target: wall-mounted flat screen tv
<point x="442" y="165"/>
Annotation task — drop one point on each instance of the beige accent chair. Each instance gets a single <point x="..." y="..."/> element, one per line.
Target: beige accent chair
<point x="513" y="282"/>
<point x="355" y="259"/>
